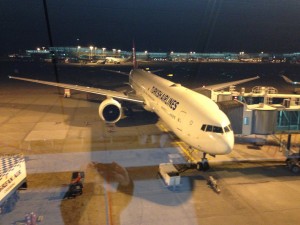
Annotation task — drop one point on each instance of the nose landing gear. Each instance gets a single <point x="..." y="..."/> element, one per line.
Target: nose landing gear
<point x="203" y="165"/>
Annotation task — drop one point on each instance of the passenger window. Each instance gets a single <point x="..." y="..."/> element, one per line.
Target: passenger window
<point x="209" y="128"/>
<point x="203" y="127"/>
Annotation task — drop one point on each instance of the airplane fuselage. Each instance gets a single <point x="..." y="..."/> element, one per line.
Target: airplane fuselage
<point x="193" y="117"/>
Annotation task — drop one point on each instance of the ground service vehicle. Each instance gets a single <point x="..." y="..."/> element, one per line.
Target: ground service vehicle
<point x="12" y="178"/>
<point x="76" y="185"/>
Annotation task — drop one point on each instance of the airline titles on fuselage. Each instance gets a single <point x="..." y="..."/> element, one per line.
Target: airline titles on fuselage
<point x="165" y="98"/>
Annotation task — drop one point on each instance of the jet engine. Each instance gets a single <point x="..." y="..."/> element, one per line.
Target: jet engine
<point x="110" y="110"/>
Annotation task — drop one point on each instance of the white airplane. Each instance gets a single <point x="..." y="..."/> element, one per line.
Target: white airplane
<point x="296" y="84"/>
<point x="193" y="117"/>
<point x="116" y="60"/>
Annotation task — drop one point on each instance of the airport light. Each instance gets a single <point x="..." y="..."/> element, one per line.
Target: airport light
<point x="103" y="50"/>
<point x="146" y="52"/>
<point x="261" y="54"/>
<point x="78" y="47"/>
<point x="91" y="47"/>
<point x="38" y="49"/>
<point x="95" y="51"/>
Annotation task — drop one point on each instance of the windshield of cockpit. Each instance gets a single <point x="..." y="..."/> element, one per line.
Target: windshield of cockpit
<point x="216" y="129"/>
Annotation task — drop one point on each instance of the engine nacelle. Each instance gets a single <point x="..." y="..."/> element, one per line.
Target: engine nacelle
<point x="110" y="110"/>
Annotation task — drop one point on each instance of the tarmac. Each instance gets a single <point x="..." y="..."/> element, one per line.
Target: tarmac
<point x="61" y="135"/>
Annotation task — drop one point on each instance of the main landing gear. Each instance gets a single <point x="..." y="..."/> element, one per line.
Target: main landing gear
<point x="203" y="165"/>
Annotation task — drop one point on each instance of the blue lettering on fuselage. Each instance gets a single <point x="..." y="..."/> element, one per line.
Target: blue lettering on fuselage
<point x="165" y="98"/>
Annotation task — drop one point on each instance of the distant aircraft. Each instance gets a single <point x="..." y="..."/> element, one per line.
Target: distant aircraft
<point x="100" y="61"/>
<point x="116" y="60"/>
<point x="296" y="84"/>
<point x="193" y="117"/>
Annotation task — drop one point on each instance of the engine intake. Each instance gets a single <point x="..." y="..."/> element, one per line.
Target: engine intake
<point x="110" y="110"/>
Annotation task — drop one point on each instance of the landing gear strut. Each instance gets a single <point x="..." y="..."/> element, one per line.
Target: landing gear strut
<point x="203" y="165"/>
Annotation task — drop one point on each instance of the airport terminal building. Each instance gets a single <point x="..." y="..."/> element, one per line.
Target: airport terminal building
<point x="94" y="53"/>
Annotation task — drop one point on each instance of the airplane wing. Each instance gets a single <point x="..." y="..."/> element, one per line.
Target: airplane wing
<point x="288" y="80"/>
<point x="108" y="93"/>
<point x="217" y="87"/>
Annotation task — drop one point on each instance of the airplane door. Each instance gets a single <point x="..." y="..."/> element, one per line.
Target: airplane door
<point x="181" y="121"/>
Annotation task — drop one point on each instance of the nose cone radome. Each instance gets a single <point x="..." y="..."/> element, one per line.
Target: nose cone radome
<point x="228" y="143"/>
<point x="222" y="145"/>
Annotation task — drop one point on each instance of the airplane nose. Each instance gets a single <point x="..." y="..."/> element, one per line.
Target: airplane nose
<point x="228" y="143"/>
<point x="219" y="144"/>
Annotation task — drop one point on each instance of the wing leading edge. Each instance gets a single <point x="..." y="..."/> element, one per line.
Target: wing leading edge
<point x="104" y="92"/>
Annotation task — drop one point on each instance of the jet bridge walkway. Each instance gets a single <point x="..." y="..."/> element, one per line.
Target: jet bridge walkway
<point x="262" y="111"/>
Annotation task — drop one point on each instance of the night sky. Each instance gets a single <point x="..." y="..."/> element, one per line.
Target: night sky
<point x="155" y="25"/>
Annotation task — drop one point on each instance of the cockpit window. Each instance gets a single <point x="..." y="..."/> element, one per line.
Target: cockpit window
<point x="228" y="128"/>
<point x="209" y="128"/>
<point x="216" y="129"/>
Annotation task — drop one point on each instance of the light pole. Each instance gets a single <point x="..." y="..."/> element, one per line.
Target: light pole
<point x="119" y="52"/>
<point x="91" y="47"/>
<point x="78" y="47"/>
<point x="171" y="55"/>
<point x="114" y="51"/>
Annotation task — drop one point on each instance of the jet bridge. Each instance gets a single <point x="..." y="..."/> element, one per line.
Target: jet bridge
<point x="262" y="111"/>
